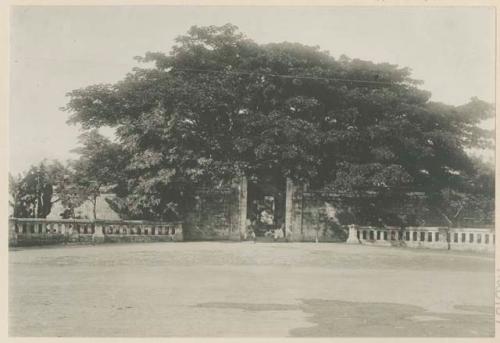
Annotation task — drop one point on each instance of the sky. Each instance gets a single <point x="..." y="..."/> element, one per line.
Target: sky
<point x="54" y="50"/>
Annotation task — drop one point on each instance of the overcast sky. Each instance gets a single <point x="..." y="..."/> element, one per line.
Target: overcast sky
<point x="58" y="49"/>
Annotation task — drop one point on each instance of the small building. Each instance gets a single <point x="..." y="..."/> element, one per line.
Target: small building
<point x="85" y="211"/>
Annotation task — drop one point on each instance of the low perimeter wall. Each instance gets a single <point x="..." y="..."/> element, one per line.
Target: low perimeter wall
<point x="472" y="239"/>
<point x="34" y="231"/>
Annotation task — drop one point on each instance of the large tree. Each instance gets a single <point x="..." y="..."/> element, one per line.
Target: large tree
<point x="34" y="192"/>
<point x="220" y="105"/>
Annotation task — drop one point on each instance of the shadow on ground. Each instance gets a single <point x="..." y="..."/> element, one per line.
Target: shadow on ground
<point x="333" y="318"/>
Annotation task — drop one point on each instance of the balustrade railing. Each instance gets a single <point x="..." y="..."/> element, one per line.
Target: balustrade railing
<point x="482" y="239"/>
<point x="33" y="231"/>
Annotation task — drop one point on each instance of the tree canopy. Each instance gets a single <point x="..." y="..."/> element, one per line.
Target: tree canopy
<point x="99" y="169"/>
<point x="221" y="105"/>
<point x="33" y="193"/>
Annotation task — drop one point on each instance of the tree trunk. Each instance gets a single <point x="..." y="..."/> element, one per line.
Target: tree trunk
<point x="94" y="205"/>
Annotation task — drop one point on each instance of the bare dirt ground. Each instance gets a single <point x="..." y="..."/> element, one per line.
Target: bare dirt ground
<point x="246" y="289"/>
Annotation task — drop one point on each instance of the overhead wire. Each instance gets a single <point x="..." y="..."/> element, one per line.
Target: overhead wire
<point x="219" y="71"/>
<point x="288" y="76"/>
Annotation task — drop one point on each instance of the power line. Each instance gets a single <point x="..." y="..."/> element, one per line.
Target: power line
<point x="208" y="71"/>
<point x="288" y="76"/>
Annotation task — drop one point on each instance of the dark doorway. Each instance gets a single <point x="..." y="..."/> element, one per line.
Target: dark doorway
<point x="266" y="207"/>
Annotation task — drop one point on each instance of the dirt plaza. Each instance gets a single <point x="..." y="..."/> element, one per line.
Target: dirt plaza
<point x="246" y="289"/>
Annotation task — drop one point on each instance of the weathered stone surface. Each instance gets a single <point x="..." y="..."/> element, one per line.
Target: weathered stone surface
<point x="219" y="213"/>
<point x="210" y="218"/>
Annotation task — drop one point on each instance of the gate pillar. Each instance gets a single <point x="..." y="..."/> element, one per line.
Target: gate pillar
<point x="293" y="211"/>
<point x="239" y="214"/>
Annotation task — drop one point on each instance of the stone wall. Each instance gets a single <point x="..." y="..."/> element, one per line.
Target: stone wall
<point x="320" y="218"/>
<point x="315" y="216"/>
<point x="310" y="215"/>
<point x="218" y="213"/>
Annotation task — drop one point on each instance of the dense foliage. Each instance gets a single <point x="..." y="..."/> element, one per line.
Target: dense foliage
<point x="221" y="105"/>
<point x="32" y="194"/>
<point x="99" y="169"/>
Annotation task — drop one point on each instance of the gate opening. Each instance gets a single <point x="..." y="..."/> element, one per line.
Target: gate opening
<point x="266" y="208"/>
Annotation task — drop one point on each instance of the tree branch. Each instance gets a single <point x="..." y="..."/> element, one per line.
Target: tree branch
<point x="450" y="223"/>
<point x="459" y="210"/>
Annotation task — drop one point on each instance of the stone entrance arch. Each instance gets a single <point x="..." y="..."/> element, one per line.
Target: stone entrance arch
<point x="226" y="212"/>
